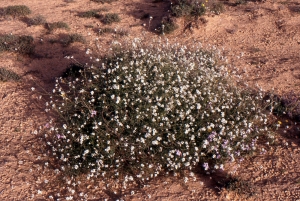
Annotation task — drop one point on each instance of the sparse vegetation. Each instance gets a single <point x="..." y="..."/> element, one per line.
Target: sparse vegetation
<point x="167" y="26"/>
<point x="120" y="32"/>
<point x="90" y="14"/>
<point x="188" y="8"/>
<point x="241" y="187"/>
<point x="104" y="1"/>
<point x="68" y="39"/>
<point x="8" y="75"/>
<point x="20" y="44"/>
<point x="72" y="38"/>
<point x="16" y="11"/>
<point x="56" y="25"/>
<point x="110" y="18"/>
<point x="36" y="20"/>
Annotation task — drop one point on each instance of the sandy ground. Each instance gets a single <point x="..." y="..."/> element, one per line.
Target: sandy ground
<point x="260" y="39"/>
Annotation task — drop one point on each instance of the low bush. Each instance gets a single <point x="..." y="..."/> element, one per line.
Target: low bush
<point x="90" y="14"/>
<point x="110" y="18"/>
<point x="16" y="11"/>
<point x="20" y="44"/>
<point x="150" y="110"/>
<point x="188" y="8"/>
<point x="8" y="75"/>
<point x="167" y="26"/>
<point x="56" y="25"/>
<point x="36" y="20"/>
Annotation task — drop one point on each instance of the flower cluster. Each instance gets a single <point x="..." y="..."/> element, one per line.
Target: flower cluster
<point x="146" y="111"/>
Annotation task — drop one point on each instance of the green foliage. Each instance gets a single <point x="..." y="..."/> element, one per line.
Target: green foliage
<point x="109" y="18"/>
<point x="144" y="111"/>
<point x="8" y="75"/>
<point x="68" y="39"/>
<point x="167" y="26"/>
<point x="188" y="8"/>
<point x="241" y="187"/>
<point x="20" y="44"/>
<point x="90" y="14"/>
<point x="56" y="25"/>
<point x="16" y="11"/>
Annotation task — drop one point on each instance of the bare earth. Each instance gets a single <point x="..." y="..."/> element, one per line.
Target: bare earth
<point x="260" y="39"/>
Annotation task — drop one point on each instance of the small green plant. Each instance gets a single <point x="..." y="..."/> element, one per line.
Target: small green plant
<point x="16" y="11"/>
<point x="110" y="18"/>
<point x="68" y="39"/>
<point x="188" y="8"/>
<point x="241" y="187"/>
<point x="167" y="26"/>
<point x="8" y="75"/>
<point x="104" y="1"/>
<point x="90" y="14"/>
<point x="20" y="44"/>
<point x="56" y="25"/>
<point x="36" y="20"/>
<point x="72" y="38"/>
<point x="145" y="111"/>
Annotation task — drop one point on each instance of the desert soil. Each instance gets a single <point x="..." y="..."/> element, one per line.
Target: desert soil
<point x="260" y="39"/>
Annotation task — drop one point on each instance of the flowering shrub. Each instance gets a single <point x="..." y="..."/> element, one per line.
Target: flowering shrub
<point x="143" y="111"/>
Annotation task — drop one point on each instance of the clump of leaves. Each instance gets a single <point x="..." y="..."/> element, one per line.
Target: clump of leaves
<point x="90" y="14"/>
<point x="104" y="1"/>
<point x="72" y="38"/>
<point x="56" y="25"/>
<point x="110" y="18"/>
<point x="188" y="8"/>
<point x="67" y="39"/>
<point x="167" y="26"/>
<point x="8" y="75"/>
<point x="20" y="44"/>
<point x="241" y="187"/>
<point x="36" y="20"/>
<point x="16" y="11"/>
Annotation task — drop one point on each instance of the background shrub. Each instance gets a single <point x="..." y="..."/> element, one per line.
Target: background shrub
<point x="188" y="8"/>
<point x="16" y="11"/>
<point x="8" y="75"/>
<point x="56" y="25"/>
<point x="109" y="18"/>
<point x="20" y="44"/>
<point x="145" y="111"/>
<point x="36" y="20"/>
